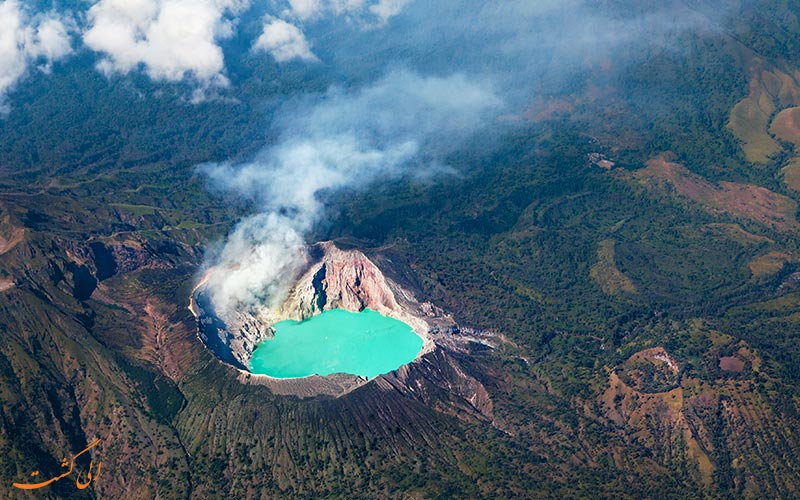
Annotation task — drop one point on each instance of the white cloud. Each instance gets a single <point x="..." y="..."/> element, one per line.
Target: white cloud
<point x="309" y="9"/>
<point x="284" y="41"/>
<point x="384" y="9"/>
<point x="25" y="40"/>
<point x="171" y="39"/>
<point x="52" y="40"/>
<point x="305" y="9"/>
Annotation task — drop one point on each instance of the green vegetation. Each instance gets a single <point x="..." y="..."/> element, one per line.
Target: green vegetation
<point x="137" y="210"/>
<point x="585" y="272"/>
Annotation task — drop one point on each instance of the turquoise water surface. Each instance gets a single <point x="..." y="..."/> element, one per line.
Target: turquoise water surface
<point x="337" y="341"/>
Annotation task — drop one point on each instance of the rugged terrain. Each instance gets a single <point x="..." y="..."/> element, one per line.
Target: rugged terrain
<point x="610" y="288"/>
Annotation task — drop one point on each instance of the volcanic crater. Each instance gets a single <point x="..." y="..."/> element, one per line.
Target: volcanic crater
<point x="336" y="278"/>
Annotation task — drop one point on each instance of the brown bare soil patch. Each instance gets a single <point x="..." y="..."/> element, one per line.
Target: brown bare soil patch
<point x="786" y="125"/>
<point x="731" y="364"/>
<point x="678" y="427"/>
<point x="658" y="420"/>
<point x="7" y="242"/>
<point x="6" y="284"/>
<point x="747" y="201"/>
<point x="601" y="161"/>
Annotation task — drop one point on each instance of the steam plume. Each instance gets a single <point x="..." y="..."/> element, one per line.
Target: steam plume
<point x="342" y="141"/>
<point x="404" y="123"/>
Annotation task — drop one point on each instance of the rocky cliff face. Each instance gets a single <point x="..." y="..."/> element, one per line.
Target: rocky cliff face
<point x="347" y="279"/>
<point x="332" y="279"/>
<point x="344" y="279"/>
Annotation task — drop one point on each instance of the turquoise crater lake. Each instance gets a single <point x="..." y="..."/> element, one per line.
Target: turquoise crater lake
<point x="337" y="341"/>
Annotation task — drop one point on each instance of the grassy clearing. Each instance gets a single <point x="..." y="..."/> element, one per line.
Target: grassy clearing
<point x="768" y="264"/>
<point x="606" y="273"/>
<point x="187" y="224"/>
<point x="734" y="232"/>
<point x="750" y="118"/>
<point x="791" y="175"/>
<point x="786" y="126"/>
<point x="136" y="210"/>
<point x="785" y="304"/>
<point x="748" y="122"/>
